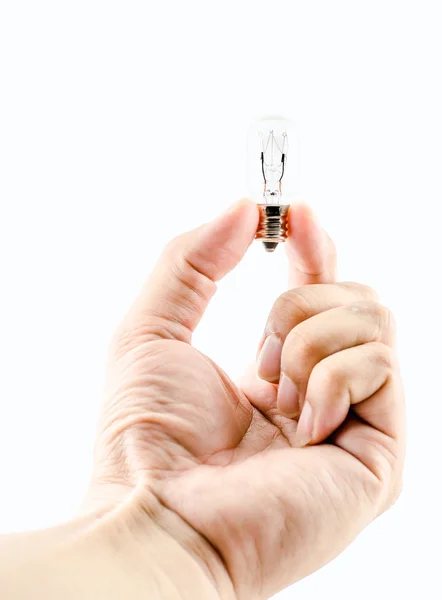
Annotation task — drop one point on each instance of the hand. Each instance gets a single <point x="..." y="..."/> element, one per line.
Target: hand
<point x="256" y="499"/>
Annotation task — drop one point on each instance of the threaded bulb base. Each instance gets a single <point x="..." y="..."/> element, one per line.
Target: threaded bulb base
<point x="272" y="226"/>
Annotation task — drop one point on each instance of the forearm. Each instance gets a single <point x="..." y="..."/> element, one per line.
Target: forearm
<point x="95" y="558"/>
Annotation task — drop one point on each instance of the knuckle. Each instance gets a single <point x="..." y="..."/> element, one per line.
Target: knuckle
<point x="384" y="357"/>
<point x="364" y="291"/>
<point x="133" y="335"/>
<point x="291" y="306"/>
<point x="296" y="354"/>
<point x="389" y="472"/>
<point x="328" y="380"/>
<point x="176" y="244"/>
<point x="387" y="324"/>
<point x="376" y="313"/>
<point x="298" y="301"/>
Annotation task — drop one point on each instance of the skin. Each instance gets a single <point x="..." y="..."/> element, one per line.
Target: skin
<point x="207" y="489"/>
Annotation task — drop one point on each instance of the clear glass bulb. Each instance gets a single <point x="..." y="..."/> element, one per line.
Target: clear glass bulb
<point x="272" y="173"/>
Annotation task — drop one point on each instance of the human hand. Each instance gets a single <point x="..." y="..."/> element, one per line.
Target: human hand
<point x="219" y="468"/>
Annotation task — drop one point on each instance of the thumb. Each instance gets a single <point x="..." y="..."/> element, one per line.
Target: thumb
<point x="178" y="291"/>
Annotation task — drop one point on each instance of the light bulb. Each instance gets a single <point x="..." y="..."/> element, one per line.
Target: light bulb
<point x="272" y="173"/>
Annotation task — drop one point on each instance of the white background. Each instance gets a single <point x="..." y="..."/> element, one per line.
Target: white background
<point x="123" y="124"/>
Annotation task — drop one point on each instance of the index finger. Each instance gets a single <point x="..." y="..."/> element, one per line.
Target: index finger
<point x="310" y="250"/>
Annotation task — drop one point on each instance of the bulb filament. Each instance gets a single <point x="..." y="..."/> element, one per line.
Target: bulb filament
<point x="273" y="161"/>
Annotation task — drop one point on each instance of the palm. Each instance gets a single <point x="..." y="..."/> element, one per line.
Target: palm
<point x="231" y="472"/>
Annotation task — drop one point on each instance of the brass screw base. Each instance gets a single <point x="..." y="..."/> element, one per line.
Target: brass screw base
<point x="272" y="226"/>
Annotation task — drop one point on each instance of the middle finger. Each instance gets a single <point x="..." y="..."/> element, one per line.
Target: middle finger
<point x="294" y="307"/>
<point x="326" y="334"/>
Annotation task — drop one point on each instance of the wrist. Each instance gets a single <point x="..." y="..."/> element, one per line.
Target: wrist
<point x="144" y="538"/>
<point x="122" y="553"/>
<point x="156" y="541"/>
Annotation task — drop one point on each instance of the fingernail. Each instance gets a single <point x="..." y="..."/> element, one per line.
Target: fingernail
<point x="288" y="397"/>
<point x="304" y="432"/>
<point x="269" y="360"/>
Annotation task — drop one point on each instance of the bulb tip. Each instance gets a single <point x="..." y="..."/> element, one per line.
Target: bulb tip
<point x="269" y="246"/>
